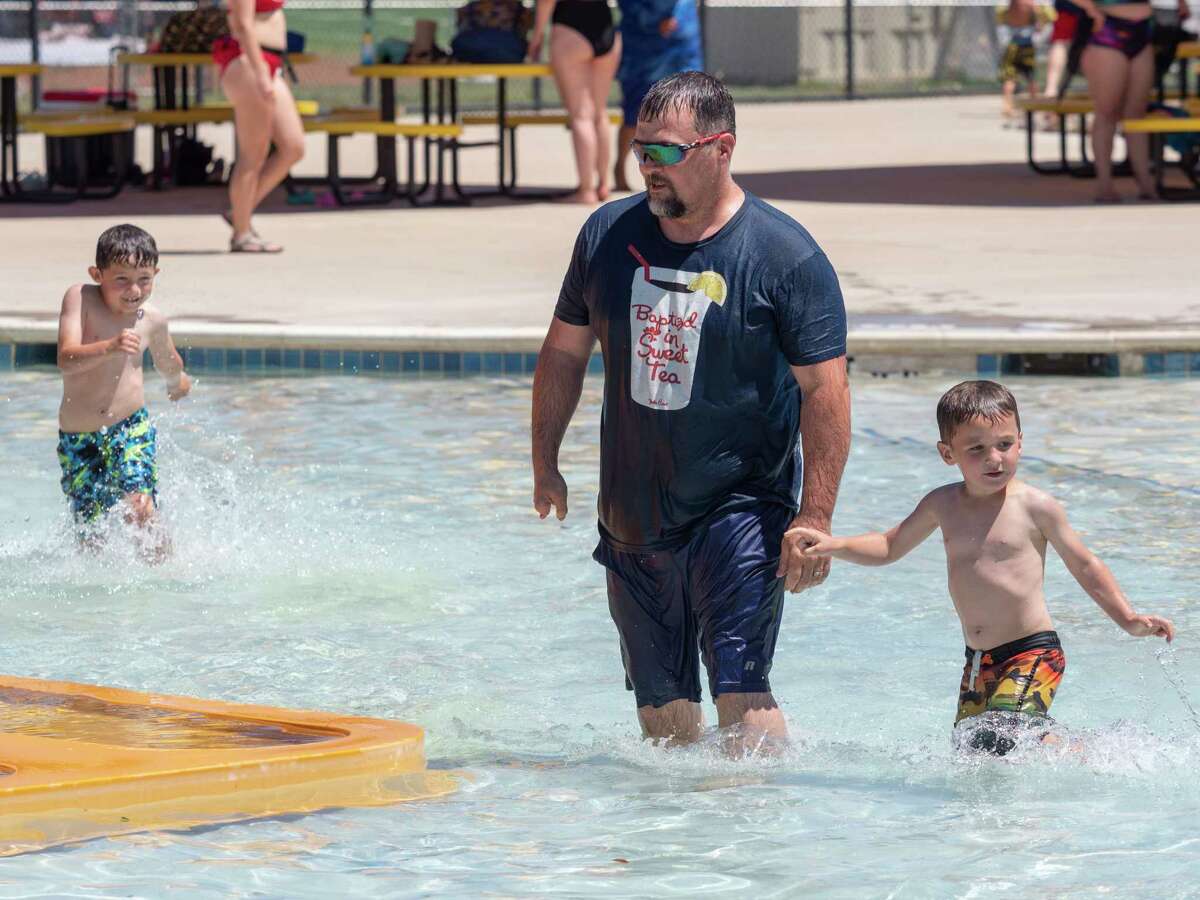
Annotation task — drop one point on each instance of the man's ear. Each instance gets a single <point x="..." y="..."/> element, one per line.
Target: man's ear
<point x="946" y="453"/>
<point x="728" y="142"/>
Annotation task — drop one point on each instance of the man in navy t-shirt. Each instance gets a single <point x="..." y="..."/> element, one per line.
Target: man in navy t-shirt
<point x="716" y="314"/>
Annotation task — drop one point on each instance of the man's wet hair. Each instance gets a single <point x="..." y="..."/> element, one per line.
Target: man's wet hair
<point x="705" y="97"/>
<point x="126" y="244"/>
<point x="974" y="400"/>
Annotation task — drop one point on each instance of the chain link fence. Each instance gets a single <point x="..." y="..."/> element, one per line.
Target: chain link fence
<point x="764" y="49"/>
<point x="792" y="49"/>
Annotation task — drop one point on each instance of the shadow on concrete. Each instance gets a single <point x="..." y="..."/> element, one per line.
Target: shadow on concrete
<point x="213" y="200"/>
<point x="979" y="184"/>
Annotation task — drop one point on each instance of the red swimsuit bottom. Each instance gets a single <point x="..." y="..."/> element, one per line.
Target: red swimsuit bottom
<point x="226" y="49"/>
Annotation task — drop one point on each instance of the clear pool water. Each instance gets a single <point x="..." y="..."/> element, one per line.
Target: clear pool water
<point x="367" y="546"/>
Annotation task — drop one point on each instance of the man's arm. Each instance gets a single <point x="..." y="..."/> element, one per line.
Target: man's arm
<point x="1091" y="573"/>
<point x="166" y="357"/>
<point x="875" y="548"/>
<point x="825" y="438"/>
<point x="74" y="356"/>
<point x="557" y="385"/>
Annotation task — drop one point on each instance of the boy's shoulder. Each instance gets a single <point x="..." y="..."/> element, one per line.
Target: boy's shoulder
<point x="941" y="497"/>
<point x="1035" y="500"/>
<point x="153" y="316"/>
<point x="81" y="293"/>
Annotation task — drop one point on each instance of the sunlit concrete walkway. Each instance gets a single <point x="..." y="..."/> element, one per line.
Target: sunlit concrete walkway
<point x="924" y="206"/>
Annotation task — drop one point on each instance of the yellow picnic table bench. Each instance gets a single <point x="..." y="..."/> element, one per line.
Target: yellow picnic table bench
<point x="1160" y="128"/>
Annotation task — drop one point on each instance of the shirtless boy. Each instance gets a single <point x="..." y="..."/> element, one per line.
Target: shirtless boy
<point x="995" y="530"/>
<point x="106" y="443"/>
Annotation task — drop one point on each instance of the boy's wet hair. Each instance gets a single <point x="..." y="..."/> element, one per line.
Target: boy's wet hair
<point x="705" y="97"/>
<point x="974" y="400"/>
<point x="126" y="244"/>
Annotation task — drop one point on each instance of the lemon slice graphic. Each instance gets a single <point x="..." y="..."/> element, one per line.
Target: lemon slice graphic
<point x="712" y="284"/>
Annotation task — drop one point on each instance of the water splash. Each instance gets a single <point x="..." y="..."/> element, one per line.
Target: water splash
<point x="1168" y="660"/>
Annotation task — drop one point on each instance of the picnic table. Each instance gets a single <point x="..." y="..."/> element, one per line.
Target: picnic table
<point x="178" y="106"/>
<point x="175" y="72"/>
<point x="8" y="123"/>
<point x="445" y="77"/>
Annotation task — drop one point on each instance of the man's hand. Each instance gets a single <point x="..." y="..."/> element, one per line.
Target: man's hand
<point x="1151" y="626"/>
<point x="667" y="26"/>
<point x="182" y="389"/>
<point x="549" y="489"/>
<point x="125" y="342"/>
<point x="798" y="570"/>
<point x="534" y="53"/>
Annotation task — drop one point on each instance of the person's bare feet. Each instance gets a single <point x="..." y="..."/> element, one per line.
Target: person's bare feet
<point x="581" y="196"/>
<point x="1109" y="196"/>
<point x="602" y="193"/>
<point x="620" y="183"/>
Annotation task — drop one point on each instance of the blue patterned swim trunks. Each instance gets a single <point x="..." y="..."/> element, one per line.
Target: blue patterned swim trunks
<point x="100" y="467"/>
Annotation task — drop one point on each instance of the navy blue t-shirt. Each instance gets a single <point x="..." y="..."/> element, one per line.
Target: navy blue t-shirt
<point x="701" y="410"/>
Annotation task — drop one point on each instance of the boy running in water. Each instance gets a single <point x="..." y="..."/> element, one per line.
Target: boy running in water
<point x="995" y="530"/>
<point x="106" y="443"/>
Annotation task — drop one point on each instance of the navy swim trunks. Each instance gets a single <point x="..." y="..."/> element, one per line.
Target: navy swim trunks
<point x="100" y="467"/>
<point x="718" y="594"/>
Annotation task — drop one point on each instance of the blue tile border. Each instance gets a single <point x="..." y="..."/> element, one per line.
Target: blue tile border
<point x="455" y="363"/>
<point x="987" y="364"/>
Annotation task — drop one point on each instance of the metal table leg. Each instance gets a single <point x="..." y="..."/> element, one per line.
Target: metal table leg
<point x="8" y="134"/>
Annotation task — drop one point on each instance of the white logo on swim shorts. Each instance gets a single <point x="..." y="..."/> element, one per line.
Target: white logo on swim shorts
<point x="666" y="313"/>
<point x="749" y="665"/>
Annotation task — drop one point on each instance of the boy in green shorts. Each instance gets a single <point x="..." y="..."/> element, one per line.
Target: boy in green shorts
<point x="106" y="443"/>
<point x="995" y="529"/>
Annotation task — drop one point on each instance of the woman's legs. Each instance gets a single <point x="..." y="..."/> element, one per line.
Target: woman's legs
<point x="1141" y="80"/>
<point x="1107" y="72"/>
<point x="571" y="59"/>
<point x="604" y="69"/>
<point x="252" y="130"/>
<point x="258" y="122"/>
<point x="287" y="134"/>
<point x="624" y="136"/>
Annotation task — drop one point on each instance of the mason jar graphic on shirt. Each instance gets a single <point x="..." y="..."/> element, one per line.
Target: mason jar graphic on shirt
<point x="666" y="314"/>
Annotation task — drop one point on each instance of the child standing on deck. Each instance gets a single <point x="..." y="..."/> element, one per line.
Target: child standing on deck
<point x="995" y="530"/>
<point x="106" y="443"/>
<point x="1019" y="24"/>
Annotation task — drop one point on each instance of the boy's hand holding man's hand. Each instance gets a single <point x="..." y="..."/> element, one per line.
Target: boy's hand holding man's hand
<point x="814" y="542"/>
<point x="125" y="342"/>
<point x="797" y="565"/>
<point x="1150" y="626"/>
<point x="181" y="388"/>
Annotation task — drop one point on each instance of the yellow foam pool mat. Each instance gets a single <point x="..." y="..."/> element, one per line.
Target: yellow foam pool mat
<point x="79" y="761"/>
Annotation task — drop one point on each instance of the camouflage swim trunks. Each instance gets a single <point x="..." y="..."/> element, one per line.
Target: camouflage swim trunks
<point x="1020" y="676"/>
<point x="100" y="467"/>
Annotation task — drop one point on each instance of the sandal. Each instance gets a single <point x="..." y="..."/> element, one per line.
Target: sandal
<point x="252" y="243"/>
<point x="227" y="217"/>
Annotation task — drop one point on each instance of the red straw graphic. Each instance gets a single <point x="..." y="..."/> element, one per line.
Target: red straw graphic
<point x="645" y="265"/>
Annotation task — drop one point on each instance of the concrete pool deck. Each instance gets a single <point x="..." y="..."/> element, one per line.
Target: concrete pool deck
<point x="947" y="246"/>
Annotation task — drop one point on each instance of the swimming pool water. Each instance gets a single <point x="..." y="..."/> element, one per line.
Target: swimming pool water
<point x="367" y="546"/>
